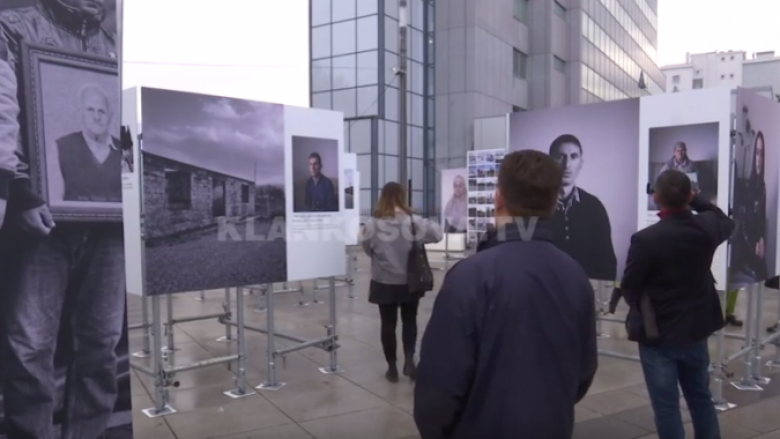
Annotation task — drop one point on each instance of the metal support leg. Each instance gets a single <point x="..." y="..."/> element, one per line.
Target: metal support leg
<point x="170" y="346"/>
<point x="351" y="273"/>
<point x="758" y="376"/>
<point x="600" y="309"/>
<point x="719" y="367"/>
<point x="446" y="252"/>
<point x="241" y="390"/>
<point x="314" y="299"/>
<point x="775" y="363"/>
<point x="146" y="350"/>
<point x="302" y="297"/>
<point x="271" y="384"/>
<point x="748" y="383"/>
<point x="226" y="305"/>
<point x="265" y="290"/>
<point x="333" y="367"/>
<point x="161" y="407"/>
<point x="202" y="296"/>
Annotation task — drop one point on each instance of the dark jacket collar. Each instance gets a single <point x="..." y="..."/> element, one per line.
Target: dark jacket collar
<point x="71" y="18"/>
<point x="535" y="230"/>
<point x="674" y="213"/>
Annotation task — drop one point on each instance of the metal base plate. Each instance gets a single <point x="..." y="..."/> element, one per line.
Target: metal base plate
<point x="259" y="310"/>
<point x="747" y="387"/>
<point x="773" y="364"/>
<point x="723" y="406"/>
<point x="317" y="302"/>
<point x="224" y="339"/>
<point x="762" y="380"/>
<point x="237" y="394"/>
<point x="302" y="304"/>
<point x="153" y="413"/>
<point x="602" y="335"/>
<point x="270" y="387"/>
<point x="328" y="371"/>
<point x="168" y="350"/>
<point x="141" y="354"/>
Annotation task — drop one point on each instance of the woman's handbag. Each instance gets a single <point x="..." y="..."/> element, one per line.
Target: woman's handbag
<point x="418" y="270"/>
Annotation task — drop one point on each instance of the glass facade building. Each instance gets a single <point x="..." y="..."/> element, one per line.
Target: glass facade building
<point x="619" y="45"/>
<point x="354" y="60"/>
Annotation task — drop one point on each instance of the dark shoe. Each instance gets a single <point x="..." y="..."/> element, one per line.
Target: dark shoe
<point x="772" y="329"/>
<point x="731" y="320"/>
<point x="410" y="369"/>
<point x="392" y="373"/>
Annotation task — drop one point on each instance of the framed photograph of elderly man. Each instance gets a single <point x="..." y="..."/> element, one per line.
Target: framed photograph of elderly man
<point x="73" y="134"/>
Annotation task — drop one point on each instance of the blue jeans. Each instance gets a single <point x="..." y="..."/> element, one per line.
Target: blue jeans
<point x="664" y="368"/>
<point x="74" y="278"/>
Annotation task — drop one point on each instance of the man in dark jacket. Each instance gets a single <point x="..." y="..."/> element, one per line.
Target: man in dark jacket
<point x="669" y="264"/>
<point x="519" y="307"/>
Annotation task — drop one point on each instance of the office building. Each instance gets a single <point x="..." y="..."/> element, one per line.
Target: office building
<point x="354" y="57"/>
<point x="760" y="71"/>
<point x="498" y="56"/>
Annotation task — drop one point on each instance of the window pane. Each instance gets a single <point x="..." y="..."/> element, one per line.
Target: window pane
<point x="391" y="62"/>
<point x="521" y="10"/>
<point x="559" y="64"/>
<point x="367" y="33"/>
<point x="364" y="167"/>
<point x="417" y="48"/>
<point x="320" y="75"/>
<point x="391" y="103"/>
<point x="380" y="136"/>
<point x="415" y="172"/>
<point x="559" y="10"/>
<point x="520" y="61"/>
<point x="431" y="114"/>
<point x="344" y="38"/>
<point x="416" y="140"/>
<point x="418" y="17"/>
<point x="391" y="138"/>
<point x="368" y="68"/>
<point x="360" y="136"/>
<point x="391" y="35"/>
<point x="367" y="102"/>
<point x="365" y="198"/>
<point x="431" y="86"/>
<point x="320" y="42"/>
<point x="391" y="169"/>
<point x="344" y="72"/>
<point x="345" y="101"/>
<point x="417" y="79"/>
<point x="417" y="200"/>
<point x="344" y="9"/>
<point x="367" y="7"/>
<point x="417" y="104"/>
<point x="320" y="12"/>
<point x="321" y="100"/>
<point x="391" y="8"/>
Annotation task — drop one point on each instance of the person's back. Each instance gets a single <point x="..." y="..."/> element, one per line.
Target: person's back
<point x="389" y="241"/>
<point x="511" y="344"/>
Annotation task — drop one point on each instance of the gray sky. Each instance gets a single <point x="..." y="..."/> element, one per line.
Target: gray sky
<point x="708" y="25"/>
<point x="226" y="135"/>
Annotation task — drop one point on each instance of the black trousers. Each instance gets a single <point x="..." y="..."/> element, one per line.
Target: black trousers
<point x="388" y="315"/>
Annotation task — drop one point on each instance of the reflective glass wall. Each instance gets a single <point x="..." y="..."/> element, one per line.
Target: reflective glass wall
<point x="354" y="57"/>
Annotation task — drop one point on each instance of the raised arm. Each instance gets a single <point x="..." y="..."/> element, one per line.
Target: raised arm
<point x="717" y="223"/>
<point x="427" y="231"/>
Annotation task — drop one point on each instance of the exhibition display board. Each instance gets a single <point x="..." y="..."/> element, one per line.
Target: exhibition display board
<point x="231" y="192"/>
<point x="61" y="262"/>
<point x="689" y="132"/>
<point x="454" y="200"/>
<point x="351" y="193"/>
<point x="482" y="178"/>
<point x="753" y="255"/>
<point x="596" y="145"/>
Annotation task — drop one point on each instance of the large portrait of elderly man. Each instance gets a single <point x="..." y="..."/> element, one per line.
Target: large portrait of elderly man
<point x="76" y="156"/>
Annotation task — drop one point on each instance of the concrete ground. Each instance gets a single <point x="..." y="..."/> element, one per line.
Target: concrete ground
<point x="359" y="403"/>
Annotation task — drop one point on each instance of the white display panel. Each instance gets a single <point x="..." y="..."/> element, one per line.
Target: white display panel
<point x="482" y="181"/>
<point x="351" y="191"/>
<point x="690" y="117"/>
<point x="315" y="232"/>
<point x="455" y="200"/>
<point x="131" y="195"/>
<point x="231" y="49"/>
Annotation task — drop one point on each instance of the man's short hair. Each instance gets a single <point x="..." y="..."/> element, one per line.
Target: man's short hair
<point x="681" y="145"/>
<point x="673" y="188"/>
<point x="564" y="139"/>
<point x="529" y="182"/>
<point x="316" y="156"/>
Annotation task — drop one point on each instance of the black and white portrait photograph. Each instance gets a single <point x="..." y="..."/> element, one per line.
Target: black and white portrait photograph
<point x="755" y="199"/>
<point x="72" y="108"/>
<point x="597" y="146"/>
<point x="214" y="192"/>
<point x="455" y="200"/>
<point x="315" y="171"/>
<point x="692" y="149"/>
<point x="64" y="368"/>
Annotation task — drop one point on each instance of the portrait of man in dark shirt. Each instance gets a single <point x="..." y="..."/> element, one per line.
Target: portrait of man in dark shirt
<point x="581" y="226"/>
<point x="90" y="160"/>
<point x="320" y="194"/>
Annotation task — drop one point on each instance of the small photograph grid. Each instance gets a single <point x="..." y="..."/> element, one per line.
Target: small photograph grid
<point x="483" y="176"/>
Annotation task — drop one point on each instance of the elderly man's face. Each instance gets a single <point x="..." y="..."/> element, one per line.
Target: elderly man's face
<point x="459" y="186"/>
<point x="679" y="153"/>
<point x="95" y="114"/>
<point x="87" y="7"/>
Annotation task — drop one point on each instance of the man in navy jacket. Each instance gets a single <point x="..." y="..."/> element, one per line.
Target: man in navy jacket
<point x="668" y="274"/>
<point x="511" y="344"/>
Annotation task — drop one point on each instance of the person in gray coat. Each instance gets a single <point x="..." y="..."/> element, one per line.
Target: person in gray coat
<point x="387" y="239"/>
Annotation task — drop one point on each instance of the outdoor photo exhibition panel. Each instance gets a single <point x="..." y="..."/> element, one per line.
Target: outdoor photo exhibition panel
<point x="351" y="194"/>
<point x="753" y="255"/>
<point x="482" y="171"/>
<point x="455" y="200"/>
<point x="313" y="144"/>
<point x="689" y="132"/>
<point x="64" y="334"/>
<point x="596" y="145"/>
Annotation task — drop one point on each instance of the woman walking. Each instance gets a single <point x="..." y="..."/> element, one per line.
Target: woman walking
<point x="387" y="239"/>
